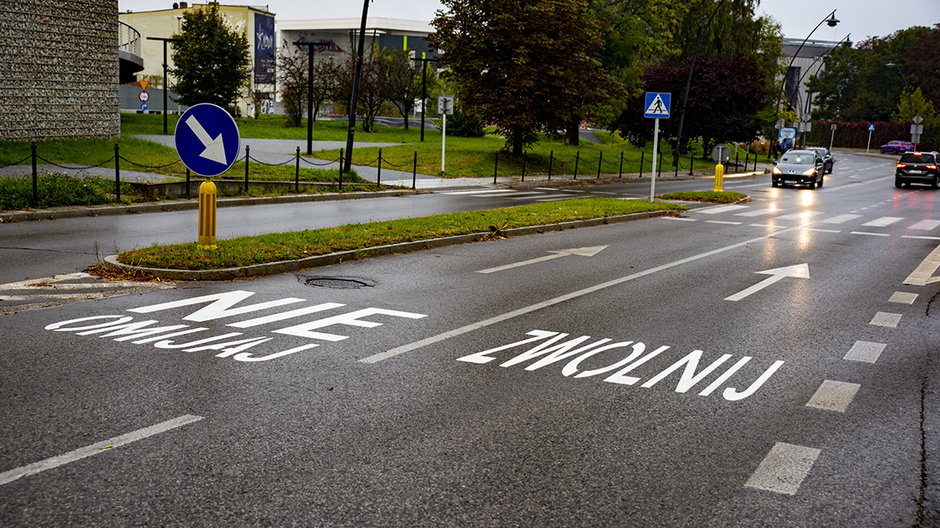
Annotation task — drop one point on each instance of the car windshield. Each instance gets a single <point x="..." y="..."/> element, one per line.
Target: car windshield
<point x="799" y="158"/>
<point x="917" y="158"/>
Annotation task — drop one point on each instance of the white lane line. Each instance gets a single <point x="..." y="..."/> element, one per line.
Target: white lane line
<point x="721" y="209"/>
<point x="870" y="234"/>
<point x="925" y="225"/>
<point x="679" y="218"/>
<point x="557" y="300"/>
<point x="865" y="351"/>
<point x="484" y="191"/>
<point x="920" y="237"/>
<point x="923" y="275"/>
<point x="96" y="449"/>
<point x="765" y="225"/>
<point x="783" y="469"/>
<point x="803" y="215"/>
<point x="903" y="298"/>
<point x="887" y="319"/>
<point x="833" y="396"/>
<point x="884" y="221"/>
<point x="760" y="212"/>
<point x="824" y="230"/>
<point x="519" y="195"/>
<point x="841" y="219"/>
<point x="722" y="222"/>
<point x="550" y="197"/>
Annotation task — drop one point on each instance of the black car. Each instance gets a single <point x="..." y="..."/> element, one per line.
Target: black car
<point x="918" y="167"/>
<point x="826" y="157"/>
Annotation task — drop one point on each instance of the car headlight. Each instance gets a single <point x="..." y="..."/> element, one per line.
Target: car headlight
<point x="776" y="171"/>
<point x="809" y="172"/>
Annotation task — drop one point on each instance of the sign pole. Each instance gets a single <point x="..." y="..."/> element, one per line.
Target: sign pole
<point x="655" y="152"/>
<point x="443" y="139"/>
<point x="868" y="146"/>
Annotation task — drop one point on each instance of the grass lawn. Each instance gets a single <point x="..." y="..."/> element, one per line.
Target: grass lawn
<point x="245" y="251"/>
<point x="705" y="196"/>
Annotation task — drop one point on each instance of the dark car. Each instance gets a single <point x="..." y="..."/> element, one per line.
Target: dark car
<point x="897" y="147"/>
<point x="918" y="167"/>
<point x="798" y="166"/>
<point x="826" y="157"/>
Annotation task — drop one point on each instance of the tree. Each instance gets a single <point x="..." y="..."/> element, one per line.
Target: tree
<point x="524" y="66"/>
<point x="717" y="111"/>
<point x="212" y="61"/>
<point x="373" y="85"/>
<point x="293" y="68"/>
<point x="403" y="81"/>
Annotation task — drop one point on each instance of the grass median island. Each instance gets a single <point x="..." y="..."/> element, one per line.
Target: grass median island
<point x="705" y="196"/>
<point x="244" y="251"/>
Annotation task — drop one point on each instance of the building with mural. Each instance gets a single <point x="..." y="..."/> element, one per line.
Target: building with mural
<point x="256" y="22"/>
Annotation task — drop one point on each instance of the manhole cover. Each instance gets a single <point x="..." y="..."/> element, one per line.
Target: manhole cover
<point x="338" y="283"/>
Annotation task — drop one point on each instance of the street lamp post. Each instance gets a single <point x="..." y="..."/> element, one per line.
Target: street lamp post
<point x="310" y="47"/>
<point x="900" y="72"/>
<point x="424" y="89"/>
<point x="351" y="129"/>
<point x="831" y="21"/>
<point x="166" y="85"/>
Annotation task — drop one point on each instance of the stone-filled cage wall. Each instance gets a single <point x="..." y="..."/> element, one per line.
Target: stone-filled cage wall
<point x="58" y="69"/>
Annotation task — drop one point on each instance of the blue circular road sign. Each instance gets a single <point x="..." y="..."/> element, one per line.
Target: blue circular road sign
<point x="207" y="139"/>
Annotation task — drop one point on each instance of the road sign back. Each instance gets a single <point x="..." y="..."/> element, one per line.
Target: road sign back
<point x="657" y="105"/>
<point x="207" y="139"/>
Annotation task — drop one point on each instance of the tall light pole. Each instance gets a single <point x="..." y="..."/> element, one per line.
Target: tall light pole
<point x="351" y="130"/>
<point x="900" y="72"/>
<point x="310" y="47"/>
<point x="831" y="21"/>
<point x="424" y="89"/>
<point x="166" y="85"/>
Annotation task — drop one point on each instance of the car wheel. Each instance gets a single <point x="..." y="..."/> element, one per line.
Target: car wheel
<point x="898" y="183"/>
<point x="821" y="180"/>
<point x="936" y="182"/>
<point x="774" y="182"/>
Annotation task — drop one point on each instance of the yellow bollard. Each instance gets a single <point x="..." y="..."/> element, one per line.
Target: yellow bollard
<point x="719" y="177"/>
<point x="207" y="195"/>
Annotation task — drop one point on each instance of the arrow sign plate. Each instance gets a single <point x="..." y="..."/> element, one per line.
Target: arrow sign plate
<point x="798" y="271"/>
<point x="207" y="139"/>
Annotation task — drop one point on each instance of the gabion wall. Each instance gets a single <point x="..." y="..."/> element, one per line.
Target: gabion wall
<point x="58" y="69"/>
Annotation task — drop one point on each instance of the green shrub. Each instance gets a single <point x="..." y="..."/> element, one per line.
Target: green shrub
<point x="54" y="190"/>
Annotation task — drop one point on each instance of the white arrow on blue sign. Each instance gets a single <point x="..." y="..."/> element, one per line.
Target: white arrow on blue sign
<point x="657" y="105"/>
<point x="871" y="128"/>
<point x="207" y="139"/>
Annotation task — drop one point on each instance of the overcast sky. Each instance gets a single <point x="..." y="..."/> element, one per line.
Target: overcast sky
<point x="861" y="18"/>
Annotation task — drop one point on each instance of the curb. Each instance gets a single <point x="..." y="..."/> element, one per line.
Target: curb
<point x="187" y="205"/>
<point x="285" y="266"/>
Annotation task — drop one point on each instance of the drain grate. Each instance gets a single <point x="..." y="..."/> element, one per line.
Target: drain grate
<point x="338" y="283"/>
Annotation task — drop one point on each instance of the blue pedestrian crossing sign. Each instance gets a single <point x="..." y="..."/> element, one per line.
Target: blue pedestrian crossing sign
<point x="207" y="139"/>
<point x="657" y="105"/>
<point x="871" y="128"/>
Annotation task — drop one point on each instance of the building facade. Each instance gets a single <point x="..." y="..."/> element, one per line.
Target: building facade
<point x="255" y="22"/>
<point x="806" y="62"/>
<point x="59" y="69"/>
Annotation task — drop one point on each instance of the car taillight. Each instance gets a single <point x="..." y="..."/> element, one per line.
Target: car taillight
<point x="932" y="167"/>
<point x="901" y="165"/>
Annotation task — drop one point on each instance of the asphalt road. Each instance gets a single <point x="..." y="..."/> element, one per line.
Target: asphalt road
<point x="663" y="381"/>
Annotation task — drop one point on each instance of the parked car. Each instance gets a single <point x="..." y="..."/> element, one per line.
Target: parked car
<point x="826" y="156"/>
<point x="918" y="167"/>
<point x="799" y="166"/>
<point x="897" y="147"/>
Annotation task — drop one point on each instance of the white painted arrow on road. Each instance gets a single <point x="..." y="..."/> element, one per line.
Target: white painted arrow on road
<point x="215" y="150"/>
<point x="582" y="252"/>
<point x="798" y="271"/>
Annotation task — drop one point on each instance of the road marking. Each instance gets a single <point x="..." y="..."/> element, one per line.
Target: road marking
<point x="783" y="469"/>
<point x="519" y="195"/>
<point x="887" y="319"/>
<point x="557" y="300"/>
<point x="884" y="221"/>
<point x="581" y="252"/>
<point x="96" y="449"/>
<point x="870" y="234"/>
<point x="920" y="237"/>
<point x="865" y="351"/>
<point x="678" y="218"/>
<point x="926" y="225"/>
<point x="759" y="212"/>
<point x="824" y="230"/>
<point x="48" y="292"/>
<point x="550" y="197"/>
<point x="841" y="219"/>
<point x="797" y="271"/>
<point x="721" y="209"/>
<point x="903" y="298"/>
<point x="484" y="191"/>
<point x="833" y="396"/>
<point x="923" y="275"/>
<point x="722" y="222"/>
<point x="765" y="225"/>
<point x="804" y="215"/>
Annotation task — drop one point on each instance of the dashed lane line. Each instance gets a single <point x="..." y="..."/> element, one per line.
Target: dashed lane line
<point x="783" y="469"/>
<point x="834" y="396"/>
